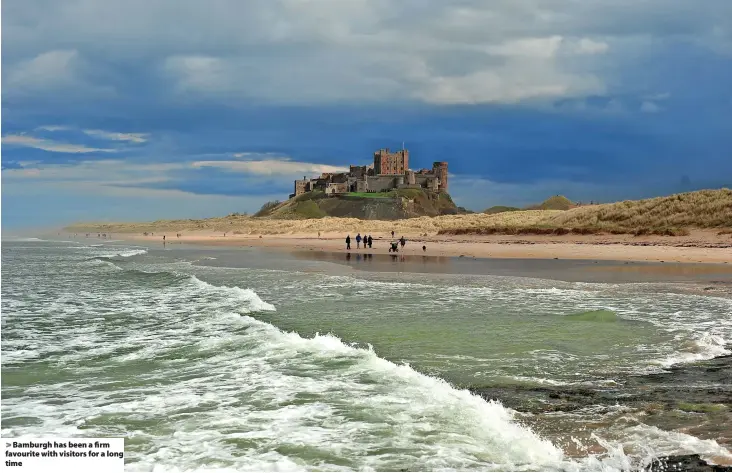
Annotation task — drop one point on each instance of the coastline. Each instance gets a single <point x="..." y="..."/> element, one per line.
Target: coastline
<point x="701" y="270"/>
<point x="698" y="247"/>
<point x="707" y="279"/>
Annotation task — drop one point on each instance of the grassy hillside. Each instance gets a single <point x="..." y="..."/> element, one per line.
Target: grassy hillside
<point x="496" y="209"/>
<point x="558" y="202"/>
<point x="392" y="205"/>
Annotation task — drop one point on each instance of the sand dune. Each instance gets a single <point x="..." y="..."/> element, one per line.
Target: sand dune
<point x="637" y="231"/>
<point x="700" y="209"/>
<point x="670" y="215"/>
<point x="246" y="225"/>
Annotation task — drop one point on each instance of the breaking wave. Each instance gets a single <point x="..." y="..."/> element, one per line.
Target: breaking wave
<point x="124" y="253"/>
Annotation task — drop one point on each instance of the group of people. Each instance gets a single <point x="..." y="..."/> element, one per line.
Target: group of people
<point x="367" y="240"/>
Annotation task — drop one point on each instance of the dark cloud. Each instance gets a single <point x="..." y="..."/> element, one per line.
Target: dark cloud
<point x="602" y="99"/>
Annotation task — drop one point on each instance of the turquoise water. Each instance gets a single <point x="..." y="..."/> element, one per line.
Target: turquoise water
<point x="245" y="361"/>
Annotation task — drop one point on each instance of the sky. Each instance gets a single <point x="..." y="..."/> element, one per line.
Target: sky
<point x="140" y="110"/>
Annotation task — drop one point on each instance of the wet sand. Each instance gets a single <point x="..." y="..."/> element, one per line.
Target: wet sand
<point x="699" y="247"/>
<point x="712" y="279"/>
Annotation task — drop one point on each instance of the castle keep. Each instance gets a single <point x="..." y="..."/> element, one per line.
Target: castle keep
<point x="390" y="170"/>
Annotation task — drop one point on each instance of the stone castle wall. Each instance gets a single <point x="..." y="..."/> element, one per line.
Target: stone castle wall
<point x="389" y="171"/>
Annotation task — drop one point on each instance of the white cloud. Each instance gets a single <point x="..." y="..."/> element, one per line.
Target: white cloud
<point x="151" y="204"/>
<point x="197" y="72"/>
<point x="247" y="155"/>
<point x="51" y="72"/>
<point x="50" y="145"/>
<point x="650" y="107"/>
<point x="288" y="51"/>
<point x="51" y="68"/>
<point x="499" y="86"/>
<point x="588" y="46"/>
<point x="271" y="167"/>
<point x="115" y="136"/>
<point x="103" y="172"/>
<point x="118" y="172"/>
<point x="53" y="128"/>
<point x="107" y="135"/>
<point x="528" y="47"/>
<point x="504" y="72"/>
<point x="360" y="55"/>
<point x="100" y="185"/>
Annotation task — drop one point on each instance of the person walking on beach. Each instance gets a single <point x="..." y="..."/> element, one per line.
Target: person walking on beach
<point x="348" y="242"/>
<point x="358" y="241"/>
<point x="402" y="241"/>
<point x="371" y="240"/>
<point x="392" y="233"/>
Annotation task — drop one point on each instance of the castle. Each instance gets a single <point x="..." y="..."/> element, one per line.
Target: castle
<point x="389" y="171"/>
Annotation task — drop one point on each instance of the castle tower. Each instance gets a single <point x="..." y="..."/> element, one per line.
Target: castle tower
<point x="302" y="186"/>
<point x="439" y="168"/>
<point x="388" y="163"/>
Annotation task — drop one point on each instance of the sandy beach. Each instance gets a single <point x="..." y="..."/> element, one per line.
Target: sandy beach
<point x="698" y="247"/>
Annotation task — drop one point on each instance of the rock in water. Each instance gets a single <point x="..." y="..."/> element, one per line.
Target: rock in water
<point x="683" y="463"/>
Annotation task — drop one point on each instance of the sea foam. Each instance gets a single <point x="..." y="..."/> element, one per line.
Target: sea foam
<point x="255" y="303"/>
<point x="704" y="346"/>
<point x="124" y="253"/>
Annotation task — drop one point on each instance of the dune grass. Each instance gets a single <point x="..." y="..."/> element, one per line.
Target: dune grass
<point x="558" y="231"/>
<point x="247" y="225"/>
<point x="669" y="216"/>
<point x="700" y="209"/>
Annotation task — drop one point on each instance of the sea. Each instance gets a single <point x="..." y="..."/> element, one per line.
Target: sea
<point x="241" y="359"/>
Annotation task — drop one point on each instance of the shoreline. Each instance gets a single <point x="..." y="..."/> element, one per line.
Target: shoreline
<point x="699" y="247"/>
<point x="708" y="278"/>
